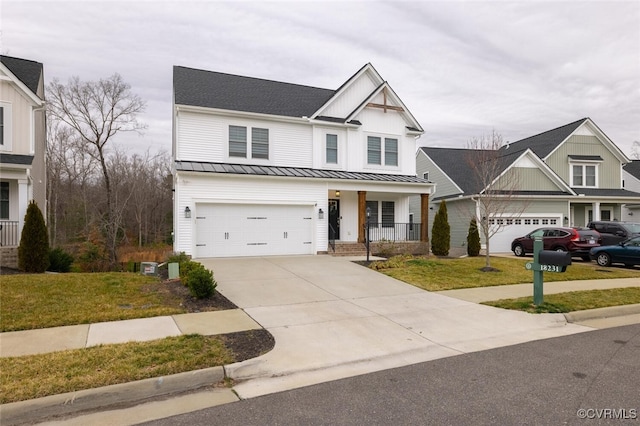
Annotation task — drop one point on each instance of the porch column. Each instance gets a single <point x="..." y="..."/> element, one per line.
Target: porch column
<point x="23" y="203"/>
<point x="362" y="215"/>
<point x="595" y="208"/>
<point x="424" y="215"/>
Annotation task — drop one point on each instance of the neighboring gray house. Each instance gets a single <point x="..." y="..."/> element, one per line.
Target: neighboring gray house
<point x="567" y="176"/>
<point x="22" y="149"/>
<point x="631" y="181"/>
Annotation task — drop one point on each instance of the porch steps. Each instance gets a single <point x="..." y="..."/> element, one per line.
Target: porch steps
<point x="349" y="249"/>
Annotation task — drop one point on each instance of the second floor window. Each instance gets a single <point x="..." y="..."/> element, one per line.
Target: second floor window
<point x="237" y="141"/>
<point x="376" y="154"/>
<point x="1" y="125"/>
<point x="259" y="143"/>
<point x="583" y="175"/>
<point x="332" y="149"/>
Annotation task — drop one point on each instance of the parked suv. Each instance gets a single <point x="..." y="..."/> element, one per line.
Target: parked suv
<point x="577" y="241"/>
<point x="615" y="232"/>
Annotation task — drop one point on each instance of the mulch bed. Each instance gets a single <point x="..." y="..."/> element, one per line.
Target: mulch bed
<point x="243" y="344"/>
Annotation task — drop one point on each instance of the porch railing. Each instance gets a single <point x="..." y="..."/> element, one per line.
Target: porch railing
<point x="9" y="233"/>
<point x="394" y="231"/>
<point x="332" y="238"/>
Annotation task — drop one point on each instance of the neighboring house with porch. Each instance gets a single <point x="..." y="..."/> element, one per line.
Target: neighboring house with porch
<point x="22" y="149"/>
<point x="271" y="168"/>
<point x="566" y="177"/>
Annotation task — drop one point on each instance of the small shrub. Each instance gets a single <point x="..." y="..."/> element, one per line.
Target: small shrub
<point x="186" y="267"/>
<point x="473" y="239"/>
<point x="33" y="251"/>
<point x="441" y="232"/>
<point x="391" y="263"/>
<point x="92" y="258"/>
<point x="59" y="260"/>
<point x="200" y="282"/>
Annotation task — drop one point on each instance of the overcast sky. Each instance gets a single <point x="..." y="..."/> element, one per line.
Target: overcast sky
<point x="462" y="68"/>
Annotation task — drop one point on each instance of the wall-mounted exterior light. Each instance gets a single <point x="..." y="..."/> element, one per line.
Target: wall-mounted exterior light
<point x="337" y="193"/>
<point x="320" y="214"/>
<point x="187" y="212"/>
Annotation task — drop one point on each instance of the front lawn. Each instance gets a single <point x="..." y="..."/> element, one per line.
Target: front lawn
<point x="32" y="301"/>
<point x="572" y="301"/>
<point x="37" y="376"/>
<point x="435" y="274"/>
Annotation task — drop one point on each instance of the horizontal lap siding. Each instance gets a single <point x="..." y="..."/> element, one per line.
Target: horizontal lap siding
<point x="205" y="137"/>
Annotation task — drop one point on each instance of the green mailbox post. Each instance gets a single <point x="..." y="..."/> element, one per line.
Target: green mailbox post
<point x="545" y="260"/>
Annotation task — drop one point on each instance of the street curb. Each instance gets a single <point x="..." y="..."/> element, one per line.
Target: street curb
<point x="49" y="407"/>
<point x="612" y="311"/>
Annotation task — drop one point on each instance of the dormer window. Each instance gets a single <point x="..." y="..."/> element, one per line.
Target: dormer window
<point x="584" y="170"/>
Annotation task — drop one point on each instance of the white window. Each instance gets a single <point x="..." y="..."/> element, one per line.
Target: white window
<point x="584" y="175"/>
<point x="237" y="141"/>
<point x="379" y="155"/>
<point x="332" y="149"/>
<point x="388" y="214"/>
<point x="259" y="143"/>
<point x="5" y="126"/>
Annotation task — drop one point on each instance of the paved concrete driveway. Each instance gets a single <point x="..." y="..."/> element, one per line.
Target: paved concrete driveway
<point x="332" y="318"/>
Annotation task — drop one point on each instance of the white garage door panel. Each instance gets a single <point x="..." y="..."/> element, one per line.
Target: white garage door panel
<point x="253" y="230"/>
<point x="514" y="227"/>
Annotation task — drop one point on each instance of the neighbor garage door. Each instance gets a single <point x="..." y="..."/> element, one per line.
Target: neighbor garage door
<point x="224" y="230"/>
<point x="514" y="227"/>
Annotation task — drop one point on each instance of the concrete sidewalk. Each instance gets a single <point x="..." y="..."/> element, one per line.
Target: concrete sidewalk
<point x="31" y="342"/>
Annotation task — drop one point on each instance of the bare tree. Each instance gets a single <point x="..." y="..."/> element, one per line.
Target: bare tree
<point x="497" y="187"/>
<point x="97" y="111"/>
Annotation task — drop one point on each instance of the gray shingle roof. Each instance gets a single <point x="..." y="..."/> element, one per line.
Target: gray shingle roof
<point x="605" y="192"/>
<point x="16" y="159"/>
<point x="247" y="169"/>
<point x="27" y="71"/>
<point x="237" y="93"/>
<point x="633" y="168"/>
<point x="544" y="143"/>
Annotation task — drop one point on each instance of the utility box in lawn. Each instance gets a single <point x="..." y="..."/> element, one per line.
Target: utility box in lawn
<point x="149" y="268"/>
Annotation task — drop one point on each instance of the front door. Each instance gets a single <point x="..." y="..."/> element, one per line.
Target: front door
<point x="334" y="219"/>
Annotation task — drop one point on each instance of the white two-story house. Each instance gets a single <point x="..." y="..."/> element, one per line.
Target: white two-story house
<point x="22" y="148"/>
<point x="270" y="168"/>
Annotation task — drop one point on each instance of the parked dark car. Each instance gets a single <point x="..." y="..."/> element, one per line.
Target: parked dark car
<point x="577" y="241"/>
<point x="627" y="252"/>
<point x="613" y="232"/>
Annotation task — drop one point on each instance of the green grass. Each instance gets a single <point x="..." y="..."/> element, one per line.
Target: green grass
<point x="435" y="274"/>
<point x="33" y="301"/>
<point x="572" y="301"/>
<point x="36" y="376"/>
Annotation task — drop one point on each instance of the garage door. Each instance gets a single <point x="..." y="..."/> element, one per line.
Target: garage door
<point x="224" y="230"/>
<point x="514" y="227"/>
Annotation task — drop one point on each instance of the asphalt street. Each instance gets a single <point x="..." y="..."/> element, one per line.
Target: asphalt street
<point x="587" y="378"/>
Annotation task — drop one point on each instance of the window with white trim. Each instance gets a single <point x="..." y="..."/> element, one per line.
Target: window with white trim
<point x="238" y="141"/>
<point x="259" y="143"/>
<point x="4" y="200"/>
<point x="388" y="214"/>
<point x="377" y="154"/>
<point x="331" y="149"/>
<point x="238" y="147"/>
<point x="5" y="126"/>
<point x="372" y="206"/>
<point x="584" y="175"/>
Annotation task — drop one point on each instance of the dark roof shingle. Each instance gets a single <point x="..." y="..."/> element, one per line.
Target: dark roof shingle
<point x="28" y="72"/>
<point x="237" y="93"/>
<point x="544" y="143"/>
